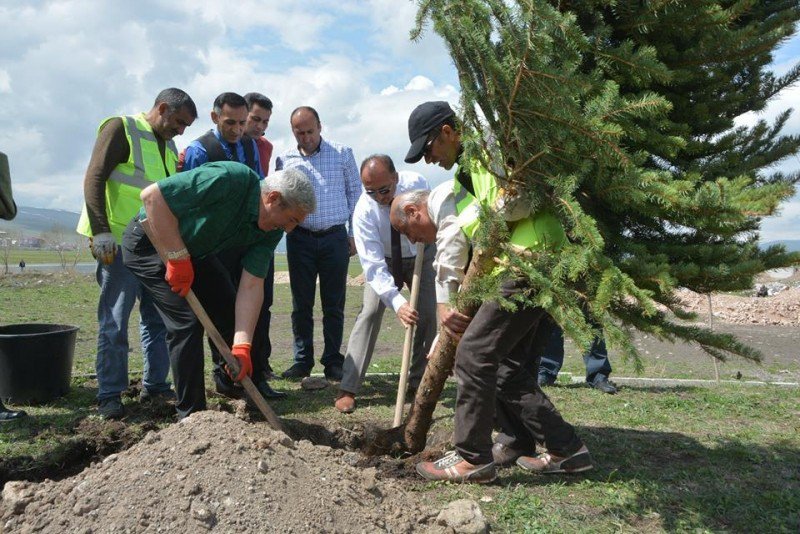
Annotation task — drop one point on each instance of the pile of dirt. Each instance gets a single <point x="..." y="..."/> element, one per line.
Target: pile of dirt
<point x="782" y="308"/>
<point x="214" y="471"/>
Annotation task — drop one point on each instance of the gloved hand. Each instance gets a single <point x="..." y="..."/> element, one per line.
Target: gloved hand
<point x="180" y="275"/>
<point x="241" y="351"/>
<point x="103" y="247"/>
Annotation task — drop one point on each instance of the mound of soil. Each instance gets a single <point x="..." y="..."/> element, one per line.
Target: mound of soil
<point x="214" y="471"/>
<point x="783" y="308"/>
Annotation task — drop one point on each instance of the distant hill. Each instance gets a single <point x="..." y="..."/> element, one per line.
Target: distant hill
<point x="34" y="222"/>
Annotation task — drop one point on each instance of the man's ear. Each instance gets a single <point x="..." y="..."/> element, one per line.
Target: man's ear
<point x="214" y="117"/>
<point x="410" y="210"/>
<point x="163" y="109"/>
<point x="273" y="196"/>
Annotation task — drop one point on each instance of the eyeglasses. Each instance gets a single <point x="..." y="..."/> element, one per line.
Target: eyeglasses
<point x="381" y="191"/>
<point x="429" y="144"/>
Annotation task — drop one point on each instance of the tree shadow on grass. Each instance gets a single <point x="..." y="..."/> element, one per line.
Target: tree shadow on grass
<point x="730" y="485"/>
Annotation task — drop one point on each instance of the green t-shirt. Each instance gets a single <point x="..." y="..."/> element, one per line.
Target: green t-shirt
<point x="217" y="209"/>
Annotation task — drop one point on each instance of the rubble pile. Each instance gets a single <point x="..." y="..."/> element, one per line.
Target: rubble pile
<point x="779" y="308"/>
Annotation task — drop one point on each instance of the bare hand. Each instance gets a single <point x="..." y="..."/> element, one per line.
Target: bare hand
<point x="453" y="322"/>
<point x="407" y="315"/>
<point x="352" y="243"/>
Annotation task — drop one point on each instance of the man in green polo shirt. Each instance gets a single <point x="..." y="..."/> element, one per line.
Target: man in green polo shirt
<point x="194" y="215"/>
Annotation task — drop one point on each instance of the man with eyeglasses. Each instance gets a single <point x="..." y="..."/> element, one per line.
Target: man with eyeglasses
<point x="387" y="259"/>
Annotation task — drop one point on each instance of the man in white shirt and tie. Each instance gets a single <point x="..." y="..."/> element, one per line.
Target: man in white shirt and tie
<point x="388" y="263"/>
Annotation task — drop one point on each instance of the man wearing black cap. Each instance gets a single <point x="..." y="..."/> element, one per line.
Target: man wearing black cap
<point x="495" y="385"/>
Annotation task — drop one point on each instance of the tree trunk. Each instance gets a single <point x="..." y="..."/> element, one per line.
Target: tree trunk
<point x="440" y="366"/>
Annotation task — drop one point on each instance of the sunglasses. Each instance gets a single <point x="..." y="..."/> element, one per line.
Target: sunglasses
<point x="429" y="144"/>
<point x="381" y="191"/>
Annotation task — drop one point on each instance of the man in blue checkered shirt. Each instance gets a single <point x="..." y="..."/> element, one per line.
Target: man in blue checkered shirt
<point x="322" y="245"/>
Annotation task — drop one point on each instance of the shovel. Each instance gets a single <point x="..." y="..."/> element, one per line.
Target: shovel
<point x="220" y="343"/>
<point x="401" y="388"/>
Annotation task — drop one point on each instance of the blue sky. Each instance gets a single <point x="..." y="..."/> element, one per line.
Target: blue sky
<point x="65" y="65"/>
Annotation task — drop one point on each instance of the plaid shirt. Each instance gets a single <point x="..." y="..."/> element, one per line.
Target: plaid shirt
<point x="337" y="185"/>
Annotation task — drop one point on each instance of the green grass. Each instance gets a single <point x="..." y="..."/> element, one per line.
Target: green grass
<point x="668" y="459"/>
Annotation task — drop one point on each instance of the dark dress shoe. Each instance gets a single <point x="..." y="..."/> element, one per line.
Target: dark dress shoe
<point x="334" y="372"/>
<point x="545" y="379"/>
<point x="10" y="415"/>
<point x="602" y="384"/>
<point x="296" y="371"/>
<point x="267" y="392"/>
<point x="227" y="387"/>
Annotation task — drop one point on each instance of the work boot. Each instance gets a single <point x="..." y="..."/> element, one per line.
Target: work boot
<point x="111" y="408"/>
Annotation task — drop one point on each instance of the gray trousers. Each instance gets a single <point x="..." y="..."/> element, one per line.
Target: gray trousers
<point x="368" y="326"/>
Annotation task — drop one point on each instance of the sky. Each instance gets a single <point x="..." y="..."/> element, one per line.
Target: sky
<point x="65" y="65"/>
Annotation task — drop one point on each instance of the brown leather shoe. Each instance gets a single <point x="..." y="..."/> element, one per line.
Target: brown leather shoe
<point x="345" y="402"/>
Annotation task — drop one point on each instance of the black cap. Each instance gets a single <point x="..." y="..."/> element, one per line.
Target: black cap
<point x="423" y="119"/>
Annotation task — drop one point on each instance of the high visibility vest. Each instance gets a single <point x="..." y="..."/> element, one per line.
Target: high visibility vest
<point x="144" y="166"/>
<point x="539" y="232"/>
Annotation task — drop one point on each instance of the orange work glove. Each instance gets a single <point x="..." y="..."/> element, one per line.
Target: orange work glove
<point x="241" y="351"/>
<point x="180" y="275"/>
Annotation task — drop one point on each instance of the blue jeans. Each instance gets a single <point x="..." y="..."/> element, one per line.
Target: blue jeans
<point x="328" y="257"/>
<point x="119" y="290"/>
<point x="596" y="358"/>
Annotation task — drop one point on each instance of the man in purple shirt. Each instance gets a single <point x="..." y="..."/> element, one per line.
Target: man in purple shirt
<point x="322" y="246"/>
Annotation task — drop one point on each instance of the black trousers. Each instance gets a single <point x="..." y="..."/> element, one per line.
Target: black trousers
<point x="216" y="292"/>
<point x="261" y="348"/>
<point x="497" y="384"/>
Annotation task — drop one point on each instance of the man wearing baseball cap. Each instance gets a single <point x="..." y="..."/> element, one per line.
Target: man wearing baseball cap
<point x="495" y="381"/>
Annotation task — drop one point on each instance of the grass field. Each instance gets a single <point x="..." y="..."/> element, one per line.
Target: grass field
<point x="668" y="459"/>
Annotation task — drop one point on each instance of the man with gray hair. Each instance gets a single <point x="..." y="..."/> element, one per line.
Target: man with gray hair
<point x="195" y="215"/>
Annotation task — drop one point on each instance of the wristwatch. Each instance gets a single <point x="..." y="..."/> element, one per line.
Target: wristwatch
<point x="178" y="254"/>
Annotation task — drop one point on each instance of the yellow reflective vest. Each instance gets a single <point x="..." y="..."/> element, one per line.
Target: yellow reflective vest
<point x="144" y="166"/>
<point x="541" y="231"/>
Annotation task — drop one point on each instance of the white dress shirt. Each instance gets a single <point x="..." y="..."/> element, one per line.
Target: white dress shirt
<point x="452" y="245"/>
<point x="372" y="233"/>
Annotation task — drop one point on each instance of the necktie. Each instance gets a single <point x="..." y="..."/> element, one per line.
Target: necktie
<point x="397" y="259"/>
<point x="234" y="156"/>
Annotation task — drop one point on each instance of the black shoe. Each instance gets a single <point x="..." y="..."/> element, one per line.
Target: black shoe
<point x="111" y="408"/>
<point x="10" y="415"/>
<point x="157" y="396"/>
<point x="296" y="371"/>
<point x="546" y="379"/>
<point x="227" y="387"/>
<point x="334" y="372"/>
<point x="267" y="392"/>
<point x="604" y="385"/>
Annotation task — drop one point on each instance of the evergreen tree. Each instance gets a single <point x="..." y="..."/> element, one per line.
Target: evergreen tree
<point x="618" y="117"/>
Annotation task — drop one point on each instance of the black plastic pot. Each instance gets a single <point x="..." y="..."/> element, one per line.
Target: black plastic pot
<point x="35" y="362"/>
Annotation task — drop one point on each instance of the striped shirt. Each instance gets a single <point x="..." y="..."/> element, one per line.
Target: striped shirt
<point x="334" y="174"/>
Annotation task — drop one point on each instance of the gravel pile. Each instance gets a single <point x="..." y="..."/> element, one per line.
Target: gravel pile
<point x="782" y="308"/>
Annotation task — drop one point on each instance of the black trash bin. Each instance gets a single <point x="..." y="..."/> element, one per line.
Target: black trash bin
<point x="35" y="361"/>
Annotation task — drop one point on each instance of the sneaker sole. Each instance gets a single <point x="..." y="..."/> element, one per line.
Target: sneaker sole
<point x="461" y="480"/>
<point x="560" y="468"/>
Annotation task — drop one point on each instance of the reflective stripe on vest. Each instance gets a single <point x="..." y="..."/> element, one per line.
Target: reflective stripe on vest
<point x="540" y="231"/>
<point x="144" y="166"/>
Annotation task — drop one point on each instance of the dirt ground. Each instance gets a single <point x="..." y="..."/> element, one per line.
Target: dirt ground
<point x="215" y="471"/>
